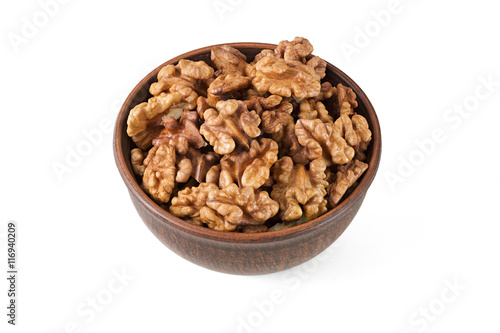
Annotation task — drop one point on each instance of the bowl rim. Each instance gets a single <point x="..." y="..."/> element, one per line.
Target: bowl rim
<point x="237" y="237"/>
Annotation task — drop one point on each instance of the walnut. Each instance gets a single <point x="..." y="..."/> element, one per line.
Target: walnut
<point x="323" y="140"/>
<point x="234" y="207"/>
<point x="273" y="111"/>
<point x="202" y="106"/>
<point x="288" y="143"/>
<point x="145" y="119"/>
<point x="297" y="186"/>
<point x="196" y="75"/>
<point x="298" y="49"/>
<point x="346" y="176"/>
<point x="232" y="124"/>
<point x="249" y="169"/>
<point x="345" y="99"/>
<point x="197" y="164"/>
<point x="181" y="136"/>
<point x="309" y="109"/>
<point x="356" y="132"/>
<point x="137" y="158"/>
<point x="364" y="134"/>
<point x="159" y="175"/>
<point x="284" y="78"/>
<point x="188" y="202"/>
<point x="227" y="59"/>
<point x="227" y="86"/>
<point x="212" y="175"/>
<point x="326" y="92"/>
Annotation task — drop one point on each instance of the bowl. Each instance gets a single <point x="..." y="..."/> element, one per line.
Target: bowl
<point x="244" y="253"/>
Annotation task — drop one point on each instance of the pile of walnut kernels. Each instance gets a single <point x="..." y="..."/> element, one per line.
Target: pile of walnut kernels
<point x="249" y="147"/>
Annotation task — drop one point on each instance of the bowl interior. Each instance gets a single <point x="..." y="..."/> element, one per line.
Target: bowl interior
<point x="123" y="145"/>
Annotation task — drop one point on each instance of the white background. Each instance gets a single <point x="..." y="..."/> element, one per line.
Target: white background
<point x="436" y="225"/>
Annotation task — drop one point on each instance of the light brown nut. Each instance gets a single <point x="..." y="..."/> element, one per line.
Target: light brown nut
<point x="273" y="110"/>
<point x="213" y="174"/>
<point x="232" y="207"/>
<point x="325" y="93"/>
<point x="200" y="163"/>
<point x="136" y="159"/>
<point x="319" y="66"/>
<point x="183" y="135"/>
<point x="284" y="78"/>
<point x="202" y="106"/>
<point x="364" y="135"/>
<point x="296" y="186"/>
<point x="227" y="59"/>
<point x="188" y="202"/>
<point x="288" y="143"/>
<point x="233" y="124"/>
<point x="227" y="86"/>
<point x="184" y="170"/>
<point x="159" y="175"/>
<point x="196" y="75"/>
<point x="346" y="176"/>
<point x="298" y="49"/>
<point x="323" y="140"/>
<point x="249" y="169"/>
<point x="259" y="103"/>
<point x="309" y="109"/>
<point x="145" y="119"/>
<point x="345" y="100"/>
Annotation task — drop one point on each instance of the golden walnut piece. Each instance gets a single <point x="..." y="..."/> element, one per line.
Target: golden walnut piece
<point x="297" y="186"/>
<point x="249" y="169"/>
<point x="347" y="175"/>
<point x="232" y="124"/>
<point x="283" y="78"/>
<point x="145" y="120"/>
<point x="196" y="75"/>
<point x="159" y="175"/>
<point x="234" y="207"/>
<point x="189" y="201"/>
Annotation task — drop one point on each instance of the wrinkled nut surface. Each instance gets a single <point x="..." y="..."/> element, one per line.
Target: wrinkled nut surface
<point x="232" y="125"/>
<point x="188" y="202"/>
<point x="310" y="109"/>
<point x="227" y="59"/>
<point x="298" y="49"/>
<point x="249" y="169"/>
<point x="227" y="86"/>
<point x="137" y="158"/>
<point x="346" y="177"/>
<point x="345" y="99"/>
<point x="159" y="175"/>
<point x="193" y="74"/>
<point x="145" y="120"/>
<point x="283" y="146"/>
<point x="324" y="140"/>
<point x="283" y="78"/>
<point x="234" y="206"/>
<point x="297" y="186"/>
<point x="183" y="135"/>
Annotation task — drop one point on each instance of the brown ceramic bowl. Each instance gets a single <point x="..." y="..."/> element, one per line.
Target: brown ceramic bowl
<point x="240" y="253"/>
